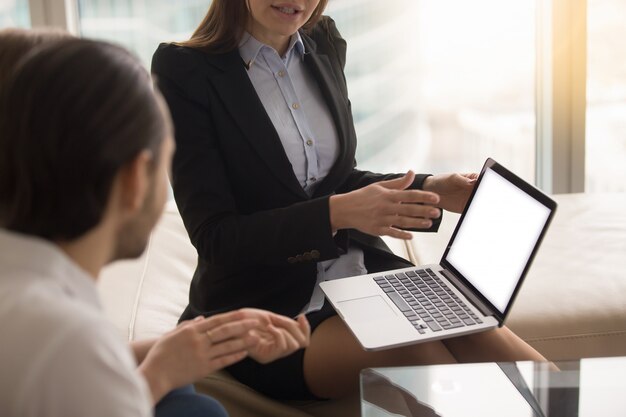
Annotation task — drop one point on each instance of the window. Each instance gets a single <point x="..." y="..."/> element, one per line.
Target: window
<point x="439" y="86"/>
<point x="14" y="13"/>
<point x="606" y="97"/>
<point x="431" y="90"/>
<point x="140" y="25"/>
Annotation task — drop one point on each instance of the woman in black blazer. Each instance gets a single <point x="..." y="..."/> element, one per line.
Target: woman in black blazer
<point x="258" y="234"/>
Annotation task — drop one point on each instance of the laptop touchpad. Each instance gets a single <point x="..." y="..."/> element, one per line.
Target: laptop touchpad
<point x="366" y="309"/>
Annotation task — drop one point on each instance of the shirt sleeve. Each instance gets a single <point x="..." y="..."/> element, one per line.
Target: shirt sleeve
<point x="87" y="371"/>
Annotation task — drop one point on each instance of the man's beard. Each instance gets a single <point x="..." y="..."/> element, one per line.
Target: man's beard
<point x="133" y="236"/>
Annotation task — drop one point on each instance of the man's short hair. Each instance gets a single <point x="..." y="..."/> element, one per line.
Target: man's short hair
<point x="71" y="116"/>
<point x="18" y="42"/>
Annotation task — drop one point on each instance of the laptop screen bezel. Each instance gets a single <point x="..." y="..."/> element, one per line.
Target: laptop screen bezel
<point x="533" y="192"/>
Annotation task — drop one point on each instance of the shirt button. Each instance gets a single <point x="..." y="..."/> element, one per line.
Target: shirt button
<point x="309" y="142"/>
<point x="281" y="73"/>
<point x="313" y="179"/>
<point x="296" y="106"/>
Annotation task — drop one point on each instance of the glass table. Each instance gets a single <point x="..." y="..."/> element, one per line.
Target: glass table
<point x="586" y="388"/>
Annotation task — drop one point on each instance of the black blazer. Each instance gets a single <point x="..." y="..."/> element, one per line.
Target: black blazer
<point x="257" y="233"/>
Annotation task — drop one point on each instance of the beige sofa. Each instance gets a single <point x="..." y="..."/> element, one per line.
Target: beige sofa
<point x="572" y="304"/>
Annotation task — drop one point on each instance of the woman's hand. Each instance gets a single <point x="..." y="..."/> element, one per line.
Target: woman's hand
<point x="453" y="189"/>
<point x="196" y="348"/>
<point x="383" y="207"/>
<point x="278" y="336"/>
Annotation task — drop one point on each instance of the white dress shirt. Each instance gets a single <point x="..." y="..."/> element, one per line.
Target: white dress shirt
<point x="295" y="105"/>
<point x="59" y="356"/>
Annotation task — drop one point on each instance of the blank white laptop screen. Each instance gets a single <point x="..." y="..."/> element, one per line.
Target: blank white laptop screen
<point x="498" y="234"/>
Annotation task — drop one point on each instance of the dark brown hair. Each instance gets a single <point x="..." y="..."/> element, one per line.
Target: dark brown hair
<point x="224" y="24"/>
<point x="16" y="43"/>
<point x="73" y="114"/>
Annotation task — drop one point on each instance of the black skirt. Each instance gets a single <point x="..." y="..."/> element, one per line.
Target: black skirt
<point x="282" y="379"/>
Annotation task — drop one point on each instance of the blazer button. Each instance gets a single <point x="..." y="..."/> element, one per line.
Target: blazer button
<point x="315" y="254"/>
<point x="291" y="260"/>
<point x="307" y="256"/>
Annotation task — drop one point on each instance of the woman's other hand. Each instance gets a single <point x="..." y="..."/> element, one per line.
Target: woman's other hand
<point x="383" y="208"/>
<point x="453" y="189"/>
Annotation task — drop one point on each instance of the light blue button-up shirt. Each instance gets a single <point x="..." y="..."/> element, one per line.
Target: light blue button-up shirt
<point x="292" y="100"/>
<point x="294" y="104"/>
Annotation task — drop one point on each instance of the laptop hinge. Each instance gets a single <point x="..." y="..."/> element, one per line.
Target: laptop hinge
<point x="468" y="294"/>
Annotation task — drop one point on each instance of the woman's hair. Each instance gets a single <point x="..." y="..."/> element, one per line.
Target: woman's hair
<point x="224" y="24"/>
<point x="73" y="114"/>
<point x="16" y="43"/>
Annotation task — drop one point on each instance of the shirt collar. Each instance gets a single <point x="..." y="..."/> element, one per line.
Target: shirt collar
<point x="34" y="258"/>
<point x="250" y="47"/>
<point x="295" y="43"/>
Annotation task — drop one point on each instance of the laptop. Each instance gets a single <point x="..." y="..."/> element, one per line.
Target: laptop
<point x="474" y="285"/>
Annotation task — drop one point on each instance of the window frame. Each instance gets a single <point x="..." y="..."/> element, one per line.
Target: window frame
<point x="561" y="100"/>
<point x="62" y="14"/>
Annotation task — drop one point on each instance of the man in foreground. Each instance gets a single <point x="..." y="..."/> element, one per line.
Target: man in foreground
<point x="85" y="147"/>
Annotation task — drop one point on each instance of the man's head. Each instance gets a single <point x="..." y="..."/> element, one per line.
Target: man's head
<point x="85" y="142"/>
<point x="17" y="43"/>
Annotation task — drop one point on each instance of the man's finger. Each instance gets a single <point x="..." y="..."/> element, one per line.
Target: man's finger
<point x="219" y="319"/>
<point x="226" y="360"/>
<point x="231" y="330"/>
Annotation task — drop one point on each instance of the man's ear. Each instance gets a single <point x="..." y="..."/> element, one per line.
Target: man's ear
<point x="134" y="181"/>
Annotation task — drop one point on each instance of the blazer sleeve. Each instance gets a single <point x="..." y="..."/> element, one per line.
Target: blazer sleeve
<point x="220" y="232"/>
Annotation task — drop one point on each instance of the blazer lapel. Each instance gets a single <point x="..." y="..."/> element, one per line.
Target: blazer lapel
<point x="242" y="102"/>
<point x="321" y="68"/>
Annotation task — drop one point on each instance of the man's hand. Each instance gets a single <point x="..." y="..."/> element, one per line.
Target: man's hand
<point x="201" y="346"/>
<point x="278" y="336"/>
<point x="195" y="349"/>
<point x="453" y="189"/>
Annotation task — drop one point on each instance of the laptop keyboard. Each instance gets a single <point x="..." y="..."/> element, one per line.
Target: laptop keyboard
<point x="427" y="301"/>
